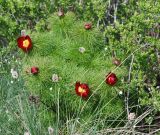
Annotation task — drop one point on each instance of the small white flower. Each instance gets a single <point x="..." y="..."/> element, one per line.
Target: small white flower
<point x="55" y="78"/>
<point x="27" y="133"/>
<point x="14" y="74"/>
<point x="23" y="32"/>
<point x="50" y="88"/>
<point x="131" y="116"/>
<point x="50" y="130"/>
<point x="82" y="49"/>
<point x="7" y="111"/>
<point x="149" y="89"/>
<point x="105" y="48"/>
<point x="120" y="92"/>
<point x="12" y="82"/>
<point x="158" y="87"/>
<point x="12" y="70"/>
<point x="154" y="102"/>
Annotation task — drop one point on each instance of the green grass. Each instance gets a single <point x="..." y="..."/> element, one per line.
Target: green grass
<point x="105" y="112"/>
<point x="19" y="115"/>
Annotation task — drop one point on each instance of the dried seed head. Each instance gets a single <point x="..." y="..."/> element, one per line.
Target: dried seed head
<point x="131" y="116"/>
<point x="27" y="133"/>
<point x="50" y="130"/>
<point x="23" y="32"/>
<point x="82" y="49"/>
<point x="34" y="99"/>
<point x="14" y="74"/>
<point x="55" y="78"/>
<point x="120" y="92"/>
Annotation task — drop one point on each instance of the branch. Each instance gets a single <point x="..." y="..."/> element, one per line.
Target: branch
<point x="129" y="79"/>
<point x="115" y="10"/>
<point x="141" y="117"/>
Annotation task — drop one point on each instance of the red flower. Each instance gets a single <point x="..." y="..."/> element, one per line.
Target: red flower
<point x="111" y="79"/>
<point x="34" y="70"/>
<point x="88" y="26"/>
<point x="25" y="43"/>
<point x="82" y="89"/>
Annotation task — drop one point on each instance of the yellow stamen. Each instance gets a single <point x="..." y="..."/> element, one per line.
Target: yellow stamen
<point x="81" y="90"/>
<point x="25" y="43"/>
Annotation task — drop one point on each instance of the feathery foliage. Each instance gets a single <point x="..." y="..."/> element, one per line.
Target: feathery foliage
<point x="57" y="52"/>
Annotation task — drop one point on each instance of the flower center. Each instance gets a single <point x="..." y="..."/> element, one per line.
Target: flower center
<point x="81" y="90"/>
<point x="25" y="43"/>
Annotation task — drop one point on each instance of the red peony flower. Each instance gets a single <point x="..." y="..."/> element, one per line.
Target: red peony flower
<point x="25" y="43"/>
<point x="34" y="70"/>
<point x="82" y="89"/>
<point x="111" y="79"/>
<point x="88" y="26"/>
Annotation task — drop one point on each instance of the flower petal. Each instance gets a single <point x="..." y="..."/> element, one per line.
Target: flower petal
<point x="20" y="42"/>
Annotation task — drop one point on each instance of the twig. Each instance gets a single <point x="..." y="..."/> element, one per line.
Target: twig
<point x="130" y="69"/>
<point x="17" y="21"/>
<point x="125" y="2"/>
<point x="151" y="133"/>
<point x="115" y="10"/>
<point x="98" y="23"/>
<point x="157" y="55"/>
<point x="129" y="79"/>
<point x="120" y="130"/>
<point x="141" y="117"/>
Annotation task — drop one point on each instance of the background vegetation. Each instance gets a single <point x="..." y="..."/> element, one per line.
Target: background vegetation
<point x="130" y="31"/>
